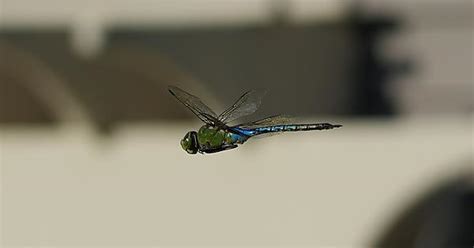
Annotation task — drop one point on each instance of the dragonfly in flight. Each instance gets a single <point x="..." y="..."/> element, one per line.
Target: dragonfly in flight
<point x="217" y="135"/>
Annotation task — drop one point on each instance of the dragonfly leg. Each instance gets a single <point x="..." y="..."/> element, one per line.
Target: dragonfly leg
<point x="222" y="148"/>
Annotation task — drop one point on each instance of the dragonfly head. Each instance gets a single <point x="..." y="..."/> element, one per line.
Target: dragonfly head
<point x="189" y="143"/>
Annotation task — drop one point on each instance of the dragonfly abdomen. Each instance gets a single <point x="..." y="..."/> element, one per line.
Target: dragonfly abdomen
<point x="288" y="128"/>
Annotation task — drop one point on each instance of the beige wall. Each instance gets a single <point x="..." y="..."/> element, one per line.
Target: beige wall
<point x="336" y="188"/>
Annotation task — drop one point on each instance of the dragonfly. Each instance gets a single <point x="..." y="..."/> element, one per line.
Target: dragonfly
<point x="218" y="135"/>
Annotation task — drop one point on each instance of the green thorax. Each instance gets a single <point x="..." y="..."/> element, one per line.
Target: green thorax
<point x="213" y="137"/>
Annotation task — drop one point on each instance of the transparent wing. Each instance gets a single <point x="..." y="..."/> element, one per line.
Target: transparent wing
<point x="247" y="104"/>
<point x="201" y="110"/>
<point x="269" y="121"/>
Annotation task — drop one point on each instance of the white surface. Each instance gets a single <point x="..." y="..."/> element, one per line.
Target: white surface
<point x="335" y="188"/>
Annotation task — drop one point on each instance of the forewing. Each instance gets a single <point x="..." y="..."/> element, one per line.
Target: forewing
<point x="247" y="104"/>
<point x="201" y="110"/>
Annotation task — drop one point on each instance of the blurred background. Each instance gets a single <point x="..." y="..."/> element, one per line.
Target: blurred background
<point x="89" y="135"/>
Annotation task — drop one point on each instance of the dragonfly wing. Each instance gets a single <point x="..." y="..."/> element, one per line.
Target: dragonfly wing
<point x="247" y="104"/>
<point x="269" y="121"/>
<point x="201" y="110"/>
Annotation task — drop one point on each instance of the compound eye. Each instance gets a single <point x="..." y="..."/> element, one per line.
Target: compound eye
<point x="189" y="143"/>
<point x="185" y="143"/>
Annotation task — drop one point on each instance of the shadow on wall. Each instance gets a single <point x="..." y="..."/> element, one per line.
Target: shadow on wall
<point x="324" y="69"/>
<point x="442" y="218"/>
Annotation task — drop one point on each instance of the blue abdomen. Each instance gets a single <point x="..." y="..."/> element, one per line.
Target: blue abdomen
<point x="284" y="128"/>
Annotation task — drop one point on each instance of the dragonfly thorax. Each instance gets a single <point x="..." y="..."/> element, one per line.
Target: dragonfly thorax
<point x="210" y="137"/>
